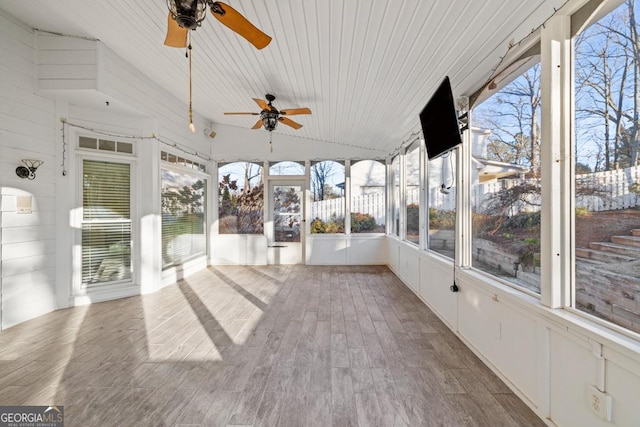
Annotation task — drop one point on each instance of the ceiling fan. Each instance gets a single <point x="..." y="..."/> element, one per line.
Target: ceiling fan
<point x="270" y="116"/>
<point x="185" y="15"/>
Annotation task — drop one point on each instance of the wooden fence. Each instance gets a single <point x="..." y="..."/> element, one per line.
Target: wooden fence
<point x="609" y="190"/>
<point x="372" y="204"/>
<point x="599" y="191"/>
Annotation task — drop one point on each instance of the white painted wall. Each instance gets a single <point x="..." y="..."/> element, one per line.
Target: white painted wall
<point x="27" y="131"/>
<point x="321" y="249"/>
<point x="548" y="357"/>
<point x="46" y="78"/>
<point x="341" y="249"/>
<point x="238" y="249"/>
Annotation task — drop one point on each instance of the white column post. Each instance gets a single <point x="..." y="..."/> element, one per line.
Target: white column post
<point x="555" y="161"/>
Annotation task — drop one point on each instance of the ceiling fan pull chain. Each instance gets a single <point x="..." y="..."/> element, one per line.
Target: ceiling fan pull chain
<point x="192" y="127"/>
<point x="270" y="142"/>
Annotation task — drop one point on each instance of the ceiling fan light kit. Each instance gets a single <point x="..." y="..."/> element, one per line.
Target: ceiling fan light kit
<point x="187" y="14"/>
<point x="270" y="116"/>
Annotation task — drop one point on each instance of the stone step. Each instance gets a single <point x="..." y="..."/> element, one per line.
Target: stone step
<point x="627" y="240"/>
<point x="601" y="256"/>
<point x="635" y="232"/>
<point x="616" y="249"/>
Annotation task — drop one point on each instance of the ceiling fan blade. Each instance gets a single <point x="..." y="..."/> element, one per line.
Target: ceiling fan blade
<point x="238" y="23"/>
<point x="294" y="111"/>
<point x="235" y="114"/>
<point x="289" y="122"/>
<point x="176" y="35"/>
<point x="262" y="104"/>
<point x="258" y="124"/>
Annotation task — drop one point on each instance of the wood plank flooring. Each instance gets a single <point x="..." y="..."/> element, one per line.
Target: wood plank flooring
<point x="257" y="346"/>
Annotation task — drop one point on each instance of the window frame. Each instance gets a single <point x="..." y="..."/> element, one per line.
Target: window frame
<point x="395" y="225"/>
<point x="207" y="206"/>
<point x="78" y="288"/>
<point x="214" y="191"/>
<point x="411" y="147"/>
<point x="345" y="204"/>
<point x="349" y="204"/>
<point x="565" y="295"/>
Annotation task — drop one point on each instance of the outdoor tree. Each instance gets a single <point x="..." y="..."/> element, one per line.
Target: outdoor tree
<point x="608" y="91"/>
<point x="241" y="208"/>
<point x="185" y="200"/>
<point x="190" y="197"/>
<point x="251" y="171"/>
<point x="227" y="200"/>
<point x="320" y="173"/>
<point x="250" y="210"/>
<point x="633" y="48"/>
<point x="514" y="115"/>
<point x="601" y="83"/>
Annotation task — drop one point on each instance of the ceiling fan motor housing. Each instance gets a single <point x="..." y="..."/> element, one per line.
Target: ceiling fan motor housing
<point x="188" y="14"/>
<point x="269" y="120"/>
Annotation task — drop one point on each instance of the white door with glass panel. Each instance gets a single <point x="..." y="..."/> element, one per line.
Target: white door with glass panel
<point x="285" y="227"/>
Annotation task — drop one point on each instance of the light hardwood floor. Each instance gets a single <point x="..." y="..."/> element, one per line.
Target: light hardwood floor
<point x="257" y="346"/>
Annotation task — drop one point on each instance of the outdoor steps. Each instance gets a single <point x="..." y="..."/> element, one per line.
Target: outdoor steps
<point x="620" y="249"/>
<point x="602" y="256"/>
<point x="627" y="240"/>
<point x="616" y="248"/>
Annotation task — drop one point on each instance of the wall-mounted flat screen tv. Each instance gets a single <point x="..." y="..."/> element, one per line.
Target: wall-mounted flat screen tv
<point x="439" y="121"/>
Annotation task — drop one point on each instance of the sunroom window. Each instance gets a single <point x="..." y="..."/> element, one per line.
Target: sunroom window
<point x="505" y="182"/>
<point x="368" y="196"/>
<point x="607" y="175"/>
<point x="442" y="204"/>
<point x="327" y="195"/>
<point x="395" y="195"/>
<point x="184" y="202"/>
<point x="412" y="193"/>
<point x="240" y="198"/>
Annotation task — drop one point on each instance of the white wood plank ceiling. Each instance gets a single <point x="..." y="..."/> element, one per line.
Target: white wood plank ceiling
<point x="364" y="67"/>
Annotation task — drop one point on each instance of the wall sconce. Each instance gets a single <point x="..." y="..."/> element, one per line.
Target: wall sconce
<point x="29" y="170"/>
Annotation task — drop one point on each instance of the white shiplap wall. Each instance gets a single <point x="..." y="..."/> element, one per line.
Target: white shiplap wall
<point x="27" y="131"/>
<point x="37" y="249"/>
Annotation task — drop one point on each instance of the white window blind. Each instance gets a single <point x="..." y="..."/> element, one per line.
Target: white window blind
<point x="106" y="222"/>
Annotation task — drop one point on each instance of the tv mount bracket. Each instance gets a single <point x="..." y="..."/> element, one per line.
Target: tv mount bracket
<point x="463" y="120"/>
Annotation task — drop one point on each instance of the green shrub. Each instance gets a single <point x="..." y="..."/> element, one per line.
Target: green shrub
<point x="442" y="220"/>
<point x="413" y="217"/>
<point x="334" y="225"/>
<point x="362" y="222"/>
<point x="317" y="226"/>
<point x="522" y="220"/>
<point x="526" y="249"/>
<point x="582" y="212"/>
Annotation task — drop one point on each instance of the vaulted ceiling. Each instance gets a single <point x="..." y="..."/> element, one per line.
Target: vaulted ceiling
<point x="364" y="67"/>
